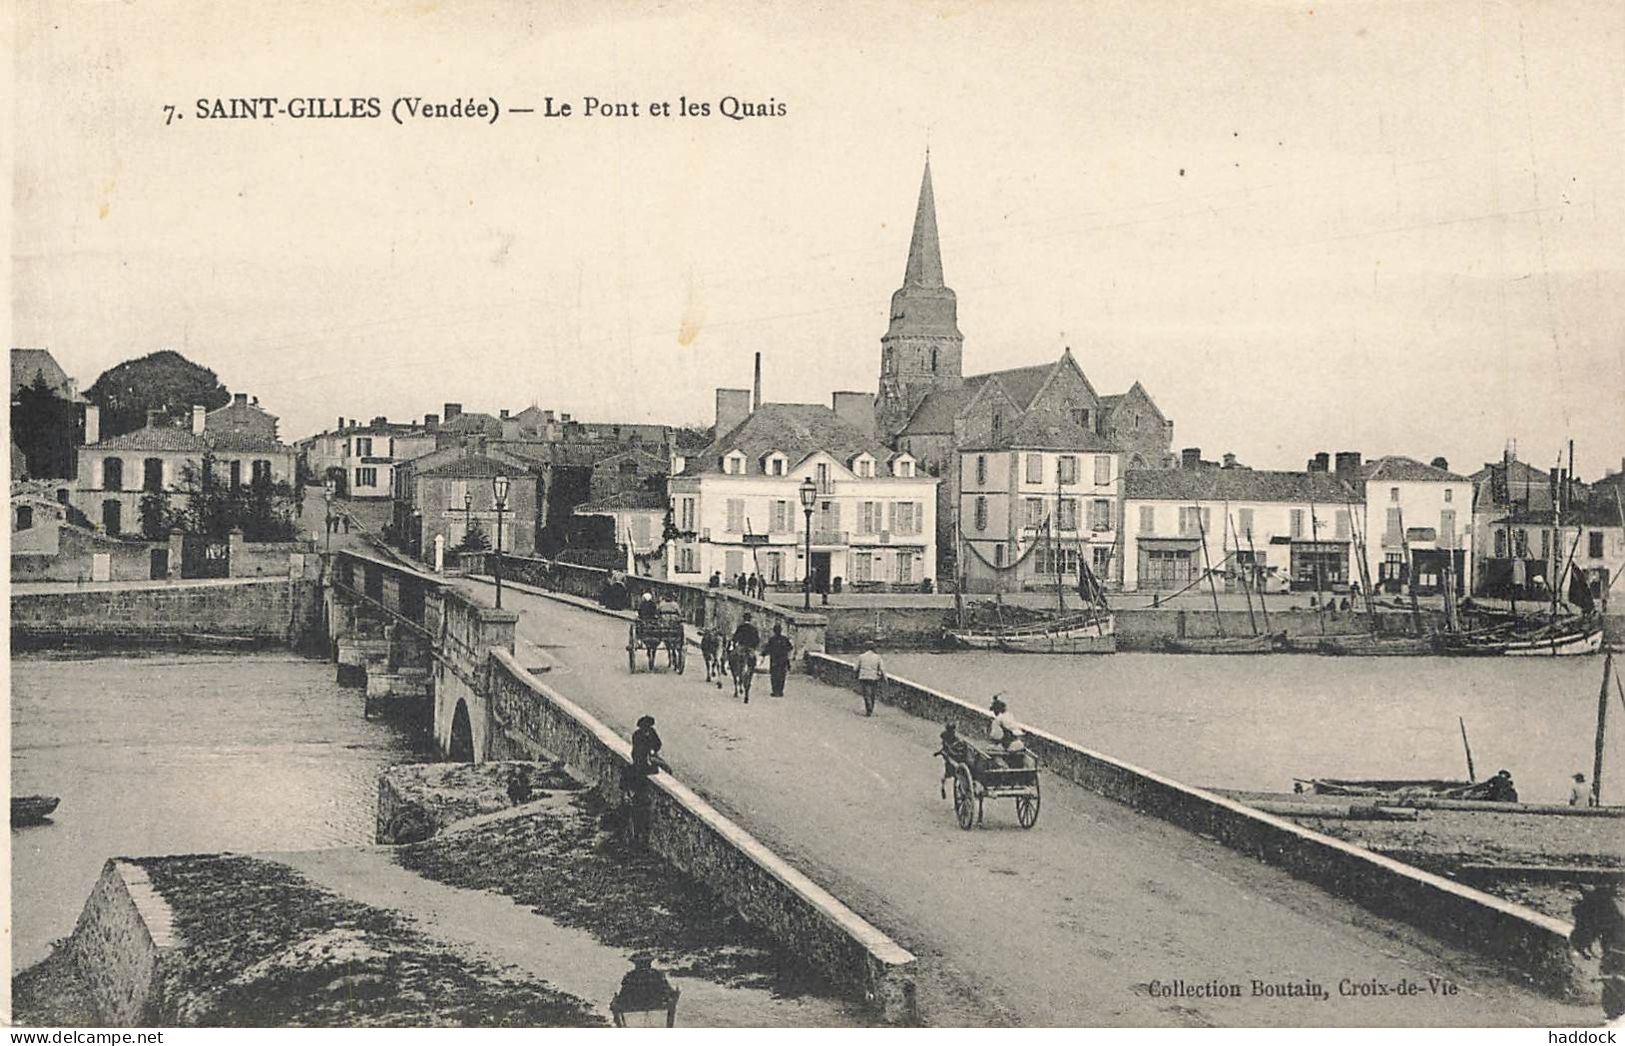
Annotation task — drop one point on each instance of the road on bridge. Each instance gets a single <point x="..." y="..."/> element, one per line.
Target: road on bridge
<point x="1066" y="924"/>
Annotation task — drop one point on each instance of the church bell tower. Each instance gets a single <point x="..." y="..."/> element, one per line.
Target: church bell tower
<point x="922" y="348"/>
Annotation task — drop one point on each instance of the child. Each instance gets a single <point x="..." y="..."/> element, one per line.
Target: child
<point x="953" y="747"/>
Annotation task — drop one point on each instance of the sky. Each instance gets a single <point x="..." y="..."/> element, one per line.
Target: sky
<point x="1387" y="227"/>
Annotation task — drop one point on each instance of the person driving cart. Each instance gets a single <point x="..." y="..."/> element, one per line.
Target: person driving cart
<point x="1005" y="732"/>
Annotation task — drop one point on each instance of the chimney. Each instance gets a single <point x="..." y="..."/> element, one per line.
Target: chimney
<point x="733" y="407"/>
<point x="93" y="424"/>
<point x="451" y="410"/>
<point x="504" y="413"/>
<point x="1321" y="462"/>
<point x="756" y="397"/>
<point x="431" y="422"/>
<point x="1348" y="465"/>
<point x="380" y="421"/>
<point x="1190" y="458"/>
<point x="1441" y="462"/>
<point x="1229" y="460"/>
<point x="239" y="399"/>
<point x="340" y="427"/>
<point x="154" y="418"/>
<point x="857" y="409"/>
<point x="199" y="413"/>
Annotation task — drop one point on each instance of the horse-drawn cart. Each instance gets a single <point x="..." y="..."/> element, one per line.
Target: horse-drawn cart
<point x="651" y="636"/>
<point x="990" y="772"/>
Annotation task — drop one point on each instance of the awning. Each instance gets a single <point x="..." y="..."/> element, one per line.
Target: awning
<point x="1186" y="544"/>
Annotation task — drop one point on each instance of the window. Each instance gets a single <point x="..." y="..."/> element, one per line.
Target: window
<point x="862" y="567"/>
<point x="1100" y="515"/>
<point x="1520" y="544"/>
<point x="1594" y="544"/>
<point x="1068" y="514"/>
<point x="1393" y="493"/>
<point x="1080" y="417"/>
<point x="933" y="361"/>
<point x="1297" y="523"/>
<point x="112" y="474"/>
<point x="981" y="513"/>
<point x="777" y="465"/>
<point x="981" y="469"/>
<point x="1066" y="468"/>
<point x="685" y="560"/>
<point x="905" y="567"/>
<point x="1449" y="495"/>
<point x="825" y="485"/>
<point x="1500" y="544"/>
<point x="1103" y="560"/>
<point x="112" y="516"/>
<point x="775" y="567"/>
<point x="904" y="468"/>
<point x="1035" y="511"/>
<point x="1392" y="567"/>
<point x="865" y="467"/>
<point x="1148" y="519"/>
<point x="1035" y="468"/>
<point x="25" y="517"/>
<point x="1103" y="470"/>
<point x="779" y="520"/>
<point x="1342" y="525"/>
<point x="1246" y="522"/>
<point x="1192" y="525"/>
<point x="868" y="517"/>
<point x="996" y="426"/>
<point x="1447" y="528"/>
<point x="363" y="446"/>
<point x="236" y="474"/>
<point x="736" y="515"/>
<point x="905" y="518"/>
<point x="686" y="516"/>
<point x="262" y="474"/>
<point x="364" y="477"/>
<point x="998" y="554"/>
<point x="734" y="464"/>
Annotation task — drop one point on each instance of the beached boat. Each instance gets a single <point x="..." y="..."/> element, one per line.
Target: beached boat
<point x="1266" y="643"/>
<point x="32" y="809"/>
<point x="1074" y="634"/>
<point x="1366" y="645"/>
<point x="1418" y="787"/>
<point x="1561" y="637"/>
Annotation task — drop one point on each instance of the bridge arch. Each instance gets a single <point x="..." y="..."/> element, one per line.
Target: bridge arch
<point x="461" y="748"/>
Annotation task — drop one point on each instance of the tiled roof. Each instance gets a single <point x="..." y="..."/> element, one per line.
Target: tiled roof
<point x="1599" y="513"/>
<point x="626" y="499"/>
<point x="244" y="441"/>
<point x="797" y="429"/>
<point x="472" y="465"/>
<point x="1047" y="430"/>
<point x="160" y="437"/>
<point x="539" y="452"/>
<point x="1396" y="467"/>
<point x="472" y="421"/>
<point x="1236" y="485"/>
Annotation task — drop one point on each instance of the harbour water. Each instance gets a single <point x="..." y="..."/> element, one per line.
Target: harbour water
<point x="1258" y="722"/>
<point x="169" y="754"/>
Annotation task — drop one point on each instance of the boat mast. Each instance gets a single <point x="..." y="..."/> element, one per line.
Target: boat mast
<point x="1314" y="537"/>
<point x="1053" y="538"/>
<point x="1246" y="588"/>
<point x="1218" y="618"/>
<point x="1557" y="531"/>
<point x="1602" y="727"/>
<point x="1262" y="605"/>
<point x="1410" y="570"/>
<point x="1358" y="534"/>
<point x="959" y="573"/>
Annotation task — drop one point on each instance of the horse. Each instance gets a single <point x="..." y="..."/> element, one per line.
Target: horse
<point x="711" y="650"/>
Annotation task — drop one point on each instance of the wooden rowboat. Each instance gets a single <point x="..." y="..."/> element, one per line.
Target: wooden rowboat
<point x="32" y="809"/>
<point x="1261" y="644"/>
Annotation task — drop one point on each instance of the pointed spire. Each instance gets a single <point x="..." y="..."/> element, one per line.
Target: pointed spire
<point x="924" y="253"/>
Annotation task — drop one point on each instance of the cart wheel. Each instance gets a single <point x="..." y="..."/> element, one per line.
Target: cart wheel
<point x="964" y="801"/>
<point x="632" y="648"/>
<point x="1027" y="810"/>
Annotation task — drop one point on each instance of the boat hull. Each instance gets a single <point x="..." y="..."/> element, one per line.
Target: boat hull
<point x="1545" y="643"/>
<point x="1265" y="644"/>
<point x="1086" y="636"/>
<point x="1377" y="646"/>
<point x="32" y="809"/>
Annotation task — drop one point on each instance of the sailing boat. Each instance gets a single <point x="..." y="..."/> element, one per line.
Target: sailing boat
<point x="1256" y="643"/>
<point x="1093" y="630"/>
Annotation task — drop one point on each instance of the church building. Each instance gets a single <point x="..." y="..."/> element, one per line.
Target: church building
<point x="929" y="409"/>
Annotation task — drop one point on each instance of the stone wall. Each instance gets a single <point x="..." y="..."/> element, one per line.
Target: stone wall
<point x="271" y="611"/>
<point x="120" y="944"/>
<point x="1534" y="944"/>
<point x="128" y="560"/>
<point x="532" y="721"/>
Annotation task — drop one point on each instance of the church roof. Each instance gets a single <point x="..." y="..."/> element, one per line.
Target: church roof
<point x="1048" y="430"/>
<point x="797" y="430"/>
<point x="924" y="252"/>
<point x="939" y="408"/>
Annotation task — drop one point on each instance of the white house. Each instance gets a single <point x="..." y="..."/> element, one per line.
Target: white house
<point x="1282" y="528"/>
<point x="1035" y="500"/>
<point x="737" y="504"/>
<point x="1418" y="517"/>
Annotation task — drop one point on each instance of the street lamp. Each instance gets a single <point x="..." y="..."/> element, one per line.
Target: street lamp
<point x="327" y="499"/>
<point x="646" y="999"/>
<point x="499" y="487"/>
<point x="809" y="493"/>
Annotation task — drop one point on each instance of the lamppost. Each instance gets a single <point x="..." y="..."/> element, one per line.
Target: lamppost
<point x="499" y="487"/>
<point x="327" y="499"/>
<point x="809" y="493"/>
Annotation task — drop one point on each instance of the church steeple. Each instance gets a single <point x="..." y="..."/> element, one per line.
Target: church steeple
<point x="924" y="253"/>
<point x="922" y="347"/>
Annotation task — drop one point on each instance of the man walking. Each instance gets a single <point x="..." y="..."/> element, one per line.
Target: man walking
<point x="778" y="650"/>
<point x="871" y="677"/>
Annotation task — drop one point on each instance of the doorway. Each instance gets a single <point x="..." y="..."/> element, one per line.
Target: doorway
<point x="820" y="571"/>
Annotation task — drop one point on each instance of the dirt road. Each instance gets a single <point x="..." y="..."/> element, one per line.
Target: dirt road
<point x="1098" y="916"/>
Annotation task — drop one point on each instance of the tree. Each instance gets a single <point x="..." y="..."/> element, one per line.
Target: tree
<point x="474" y="539"/>
<point x="691" y="437"/>
<point x="262" y="510"/>
<point x="46" y="429"/>
<point x="165" y="381"/>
